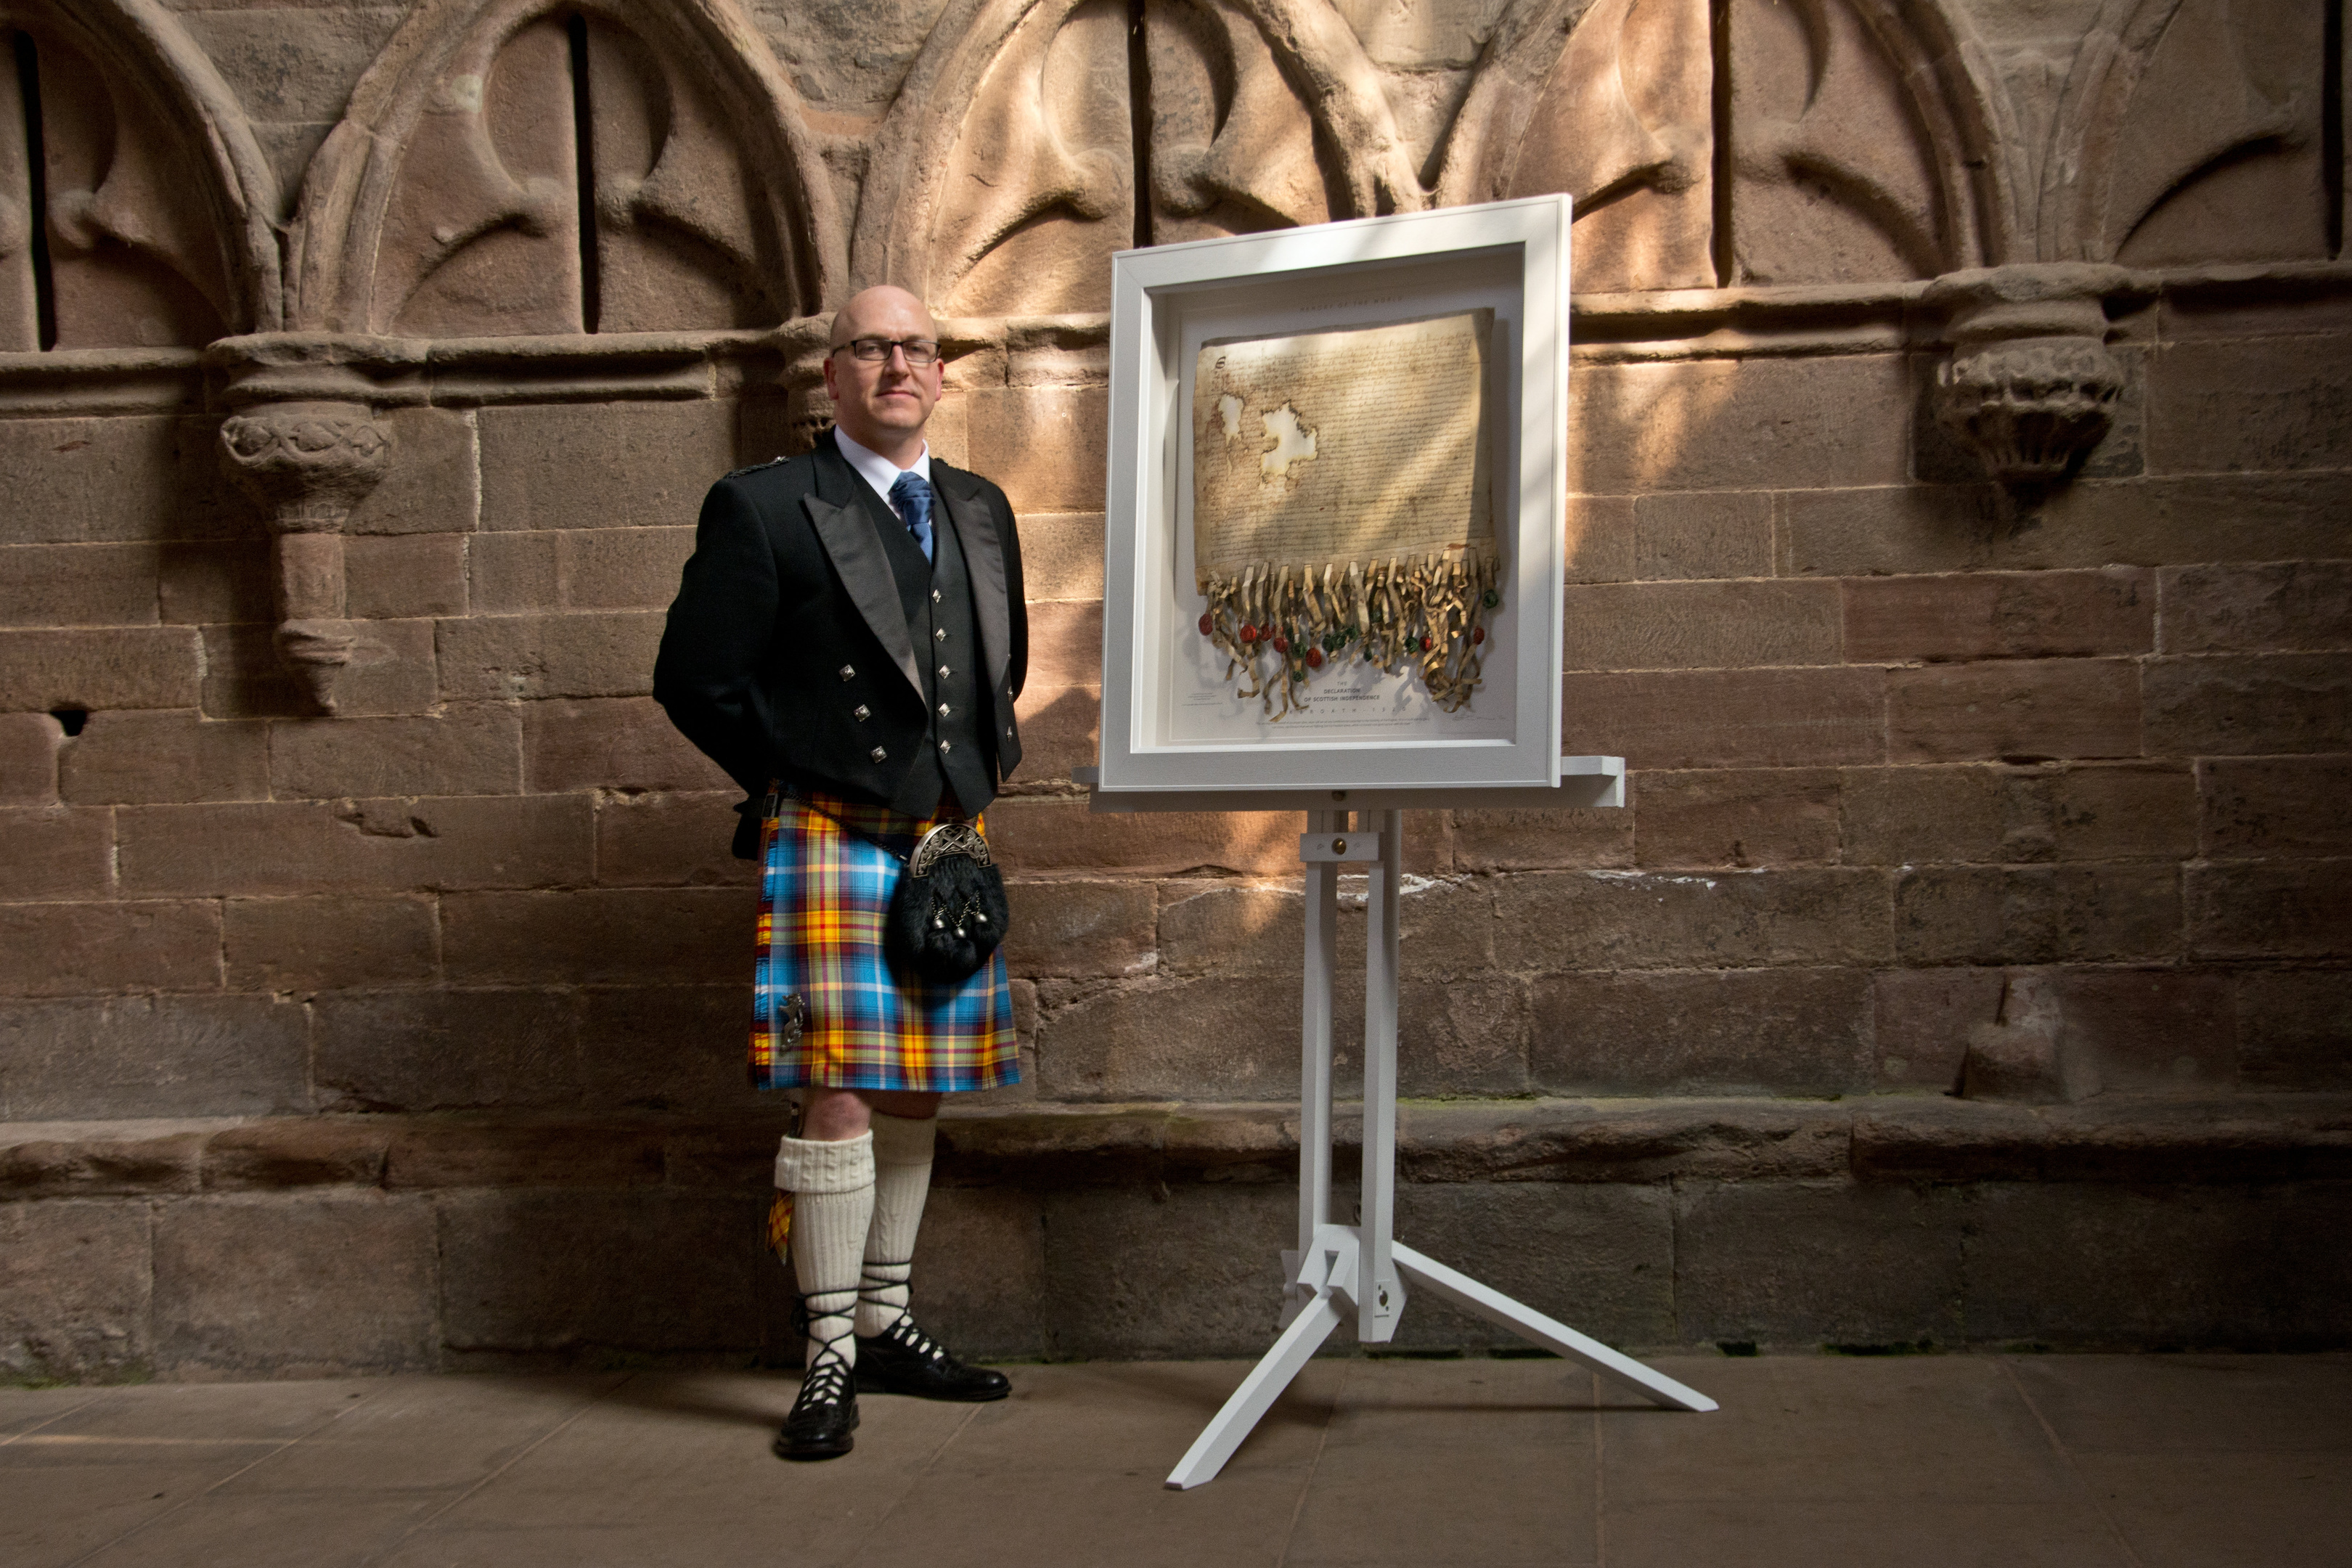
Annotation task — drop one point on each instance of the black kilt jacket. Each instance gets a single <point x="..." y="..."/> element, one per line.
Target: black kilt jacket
<point x="788" y="621"/>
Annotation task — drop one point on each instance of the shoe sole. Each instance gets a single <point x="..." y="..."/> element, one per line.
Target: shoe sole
<point x="977" y="1398"/>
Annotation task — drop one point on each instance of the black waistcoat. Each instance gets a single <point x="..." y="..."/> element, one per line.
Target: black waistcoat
<point x="958" y="751"/>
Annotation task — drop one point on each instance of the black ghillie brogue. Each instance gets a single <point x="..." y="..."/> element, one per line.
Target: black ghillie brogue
<point x="825" y="1414"/>
<point x="902" y="1359"/>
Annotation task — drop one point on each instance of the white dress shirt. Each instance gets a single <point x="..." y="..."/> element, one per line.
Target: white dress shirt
<point x="878" y="470"/>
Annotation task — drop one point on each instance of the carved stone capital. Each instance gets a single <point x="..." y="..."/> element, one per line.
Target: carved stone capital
<point x="2030" y="385"/>
<point x="308" y="464"/>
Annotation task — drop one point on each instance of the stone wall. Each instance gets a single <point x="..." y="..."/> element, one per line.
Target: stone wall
<point x="1961" y="558"/>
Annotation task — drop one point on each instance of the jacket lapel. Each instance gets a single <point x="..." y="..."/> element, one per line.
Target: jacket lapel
<point x="983" y="560"/>
<point x="847" y="535"/>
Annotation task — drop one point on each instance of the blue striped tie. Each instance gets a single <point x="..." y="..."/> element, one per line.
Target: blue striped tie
<point x="912" y="494"/>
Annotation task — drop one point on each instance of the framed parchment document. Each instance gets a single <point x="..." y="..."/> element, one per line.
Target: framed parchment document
<point x="1333" y="550"/>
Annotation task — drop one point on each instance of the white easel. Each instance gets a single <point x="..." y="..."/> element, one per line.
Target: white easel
<point x="1363" y="1269"/>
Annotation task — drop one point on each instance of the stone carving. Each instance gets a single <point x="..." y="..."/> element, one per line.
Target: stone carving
<point x="452" y="199"/>
<point x="2191" y="130"/>
<point x="154" y="226"/>
<point x="2030" y="383"/>
<point x="308" y="464"/>
<point x="1272" y="115"/>
<point x="2024" y="1055"/>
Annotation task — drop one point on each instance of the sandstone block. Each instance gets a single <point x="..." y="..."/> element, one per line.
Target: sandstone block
<point x="2089" y="1265"/>
<point x="1599" y="1257"/>
<point x="437" y="1152"/>
<point x="1921" y="1019"/>
<point x="1702" y="534"/>
<point x="74" y="1292"/>
<point x="1699" y="626"/>
<point x="474" y="750"/>
<point x="1062" y="556"/>
<point x="983" y="1276"/>
<point x="2277" y="910"/>
<point x="292" y="68"/>
<point x="158" y="757"/>
<point x="56" y="852"/>
<point x="1729" y="719"/>
<point x="1045" y="445"/>
<point x="672" y="1048"/>
<point x="1076" y="929"/>
<point x="2121" y="811"/>
<point x="2153" y="1031"/>
<point x="218" y="583"/>
<point x="281" y="1152"/>
<point x="621" y="568"/>
<point x="570" y="1272"/>
<point x="2037" y="914"/>
<point x="1059" y="726"/>
<point x="1999" y="615"/>
<point x="273" y="848"/>
<point x="435" y="483"/>
<point x="1780" y="1031"/>
<point x="1780" y="816"/>
<point x="154" y="1056"/>
<point x="1034" y="836"/>
<point x="1462" y="1036"/>
<point x="2249" y="704"/>
<point x="321" y="1282"/>
<point x="1211" y="1037"/>
<point x="2268" y="402"/>
<point x="601" y="465"/>
<point x="88" y="950"/>
<point x="2283" y="606"/>
<point x="2091" y="523"/>
<point x="129" y="666"/>
<point x="1491" y="841"/>
<point x="1208" y="928"/>
<point x="2019" y="710"/>
<point x="513" y="573"/>
<point x="598" y="936"/>
<point x="392" y="671"/>
<point x="1601" y="539"/>
<point x="2295" y="1029"/>
<point x="329" y="943"/>
<point x="1976" y="813"/>
<point x="87" y="481"/>
<point x="399" y="577"/>
<point x="79" y="584"/>
<point x="421" y="1050"/>
<point x="1618" y="920"/>
<point x="82" y="1162"/>
<point x="624" y="742"/>
<point x="499" y="657"/>
<point x="1819" y="1262"/>
<point x="1065" y="644"/>
<point x="2276" y="806"/>
<point x="1190" y="1272"/>
<point x="1738" y="425"/>
<point x="28" y="758"/>
<point x="669" y="840"/>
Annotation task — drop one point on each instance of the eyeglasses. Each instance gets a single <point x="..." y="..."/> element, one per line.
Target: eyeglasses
<point x="920" y="353"/>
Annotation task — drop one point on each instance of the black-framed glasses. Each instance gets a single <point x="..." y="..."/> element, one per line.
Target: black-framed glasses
<point x="921" y="352"/>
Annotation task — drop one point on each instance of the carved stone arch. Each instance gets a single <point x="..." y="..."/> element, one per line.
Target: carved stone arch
<point x="2182" y="134"/>
<point x="159" y="199"/>
<point x="1862" y="138"/>
<point x="1006" y="169"/>
<point x="449" y="200"/>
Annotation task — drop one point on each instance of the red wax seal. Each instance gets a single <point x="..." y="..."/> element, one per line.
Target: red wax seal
<point x="1249" y="633"/>
<point x="1424" y="645"/>
<point x="1281" y="642"/>
<point x="1477" y="635"/>
<point x="1314" y="659"/>
<point x="1204" y="626"/>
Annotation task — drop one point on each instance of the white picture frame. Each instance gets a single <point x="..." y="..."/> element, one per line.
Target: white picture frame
<point x="1162" y="728"/>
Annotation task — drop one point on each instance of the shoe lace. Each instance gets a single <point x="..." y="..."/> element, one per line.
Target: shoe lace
<point x="878" y="1277"/>
<point x="827" y="1380"/>
<point x="908" y="1336"/>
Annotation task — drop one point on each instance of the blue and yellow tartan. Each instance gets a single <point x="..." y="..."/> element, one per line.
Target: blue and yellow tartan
<point x="824" y="892"/>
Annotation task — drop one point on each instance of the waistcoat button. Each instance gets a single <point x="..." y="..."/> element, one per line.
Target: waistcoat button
<point x="878" y="755"/>
<point x="849" y="672"/>
<point x="861" y="713"/>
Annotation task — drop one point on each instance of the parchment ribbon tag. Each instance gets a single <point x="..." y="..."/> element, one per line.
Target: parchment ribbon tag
<point x="1342" y="504"/>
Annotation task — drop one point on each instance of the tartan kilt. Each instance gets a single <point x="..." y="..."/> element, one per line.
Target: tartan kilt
<point x="824" y="892"/>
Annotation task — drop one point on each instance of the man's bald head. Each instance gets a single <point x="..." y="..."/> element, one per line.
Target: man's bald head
<point x="885" y="310"/>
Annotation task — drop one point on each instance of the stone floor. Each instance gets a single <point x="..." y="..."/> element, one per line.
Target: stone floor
<point x="2079" y="1461"/>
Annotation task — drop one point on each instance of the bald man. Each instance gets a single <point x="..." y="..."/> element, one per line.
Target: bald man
<point x="847" y="642"/>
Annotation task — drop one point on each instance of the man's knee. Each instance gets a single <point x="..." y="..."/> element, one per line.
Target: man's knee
<point x="828" y="1115"/>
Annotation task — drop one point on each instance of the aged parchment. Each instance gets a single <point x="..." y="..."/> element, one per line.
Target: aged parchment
<point x="1342" y="505"/>
<point x="1363" y="445"/>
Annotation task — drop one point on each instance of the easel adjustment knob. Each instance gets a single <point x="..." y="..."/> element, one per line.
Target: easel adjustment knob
<point x="1328" y="846"/>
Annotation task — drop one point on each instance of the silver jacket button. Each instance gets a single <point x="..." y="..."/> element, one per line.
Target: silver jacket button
<point x="849" y="672"/>
<point x="945" y="672"/>
<point x="940" y="636"/>
<point x="878" y="755"/>
<point x="935" y="596"/>
<point x="861" y="712"/>
<point x="943" y="709"/>
<point x="946" y="745"/>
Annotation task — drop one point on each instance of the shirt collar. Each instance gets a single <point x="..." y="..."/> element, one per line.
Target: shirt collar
<point x="877" y="469"/>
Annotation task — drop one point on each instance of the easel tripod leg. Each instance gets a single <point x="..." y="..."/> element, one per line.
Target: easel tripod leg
<point x="1461" y="1290"/>
<point x="1257" y="1395"/>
